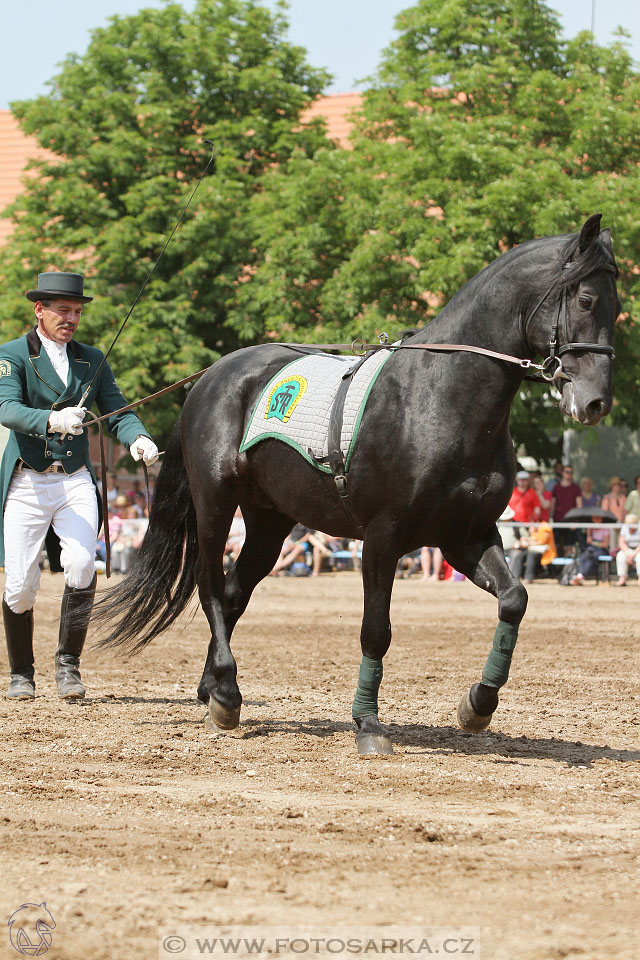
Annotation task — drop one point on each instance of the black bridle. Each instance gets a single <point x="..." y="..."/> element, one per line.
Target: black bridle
<point x="560" y="326"/>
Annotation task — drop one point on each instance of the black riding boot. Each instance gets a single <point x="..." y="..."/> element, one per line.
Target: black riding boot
<point x="74" y="622"/>
<point x="18" y="630"/>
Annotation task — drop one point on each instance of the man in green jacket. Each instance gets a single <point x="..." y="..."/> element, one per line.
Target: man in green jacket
<point x="46" y="477"/>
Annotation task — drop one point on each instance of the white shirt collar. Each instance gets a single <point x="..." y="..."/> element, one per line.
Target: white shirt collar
<point x="57" y="353"/>
<point x="51" y="345"/>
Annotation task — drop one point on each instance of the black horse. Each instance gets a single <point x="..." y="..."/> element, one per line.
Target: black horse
<point x="433" y="464"/>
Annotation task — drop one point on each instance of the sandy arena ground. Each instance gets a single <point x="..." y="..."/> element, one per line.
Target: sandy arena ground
<point x="125" y="815"/>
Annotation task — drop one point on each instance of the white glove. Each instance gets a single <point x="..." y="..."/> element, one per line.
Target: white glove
<point x="145" y="448"/>
<point x="66" y="421"/>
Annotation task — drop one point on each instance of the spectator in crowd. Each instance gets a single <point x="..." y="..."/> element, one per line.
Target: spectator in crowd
<point x="136" y="488"/>
<point x="614" y="502"/>
<point x="597" y="544"/>
<point x="624" y="488"/>
<point x="101" y="548"/>
<point x="589" y="497"/>
<point x="555" y="477"/>
<point x="408" y="564"/>
<point x="140" y="504"/>
<point x="431" y="563"/>
<point x="543" y="495"/>
<point x="293" y="549"/>
<point x="323" y="547"/>
<point x="632" y="503"/>
<point x="123" y="545"/>
<point x="112" y="488"/>
<point x="117" y="512"/>
<point x="629" y="552"/>
<point x="564" y="497"/>
<point x="529" y="552"/>
<point x="524" y="501"/>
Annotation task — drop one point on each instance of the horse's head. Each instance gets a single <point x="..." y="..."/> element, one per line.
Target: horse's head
<point x="582" y="305"/>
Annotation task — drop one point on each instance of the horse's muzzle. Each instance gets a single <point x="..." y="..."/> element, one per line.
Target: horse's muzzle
<point x="585" y="407"/>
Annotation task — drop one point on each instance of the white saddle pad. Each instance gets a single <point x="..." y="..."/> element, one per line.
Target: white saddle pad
<point x="296" y="404"/>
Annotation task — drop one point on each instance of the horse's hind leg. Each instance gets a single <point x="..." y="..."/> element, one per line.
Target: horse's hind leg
<point x="265" y="531"/>
<point x="218" y="687"/>
<point x="484" y="563"/>
<point x="224" y="600"/>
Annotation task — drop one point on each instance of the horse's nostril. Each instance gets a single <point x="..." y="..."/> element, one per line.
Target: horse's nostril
<point x="596" y="410"/>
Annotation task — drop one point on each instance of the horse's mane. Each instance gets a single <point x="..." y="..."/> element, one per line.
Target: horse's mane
<point x="567" y="267"/>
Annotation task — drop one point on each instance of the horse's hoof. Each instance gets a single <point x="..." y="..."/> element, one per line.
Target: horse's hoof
<point x="468" y="719"/>
<point x="210" y="726"/>
<point x="225" y="718"/>
<point x="373" y="744"/>
<point x="372" y="739"/>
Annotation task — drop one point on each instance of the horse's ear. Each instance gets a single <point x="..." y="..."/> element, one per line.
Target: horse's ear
<point x="590" y="232"/>
<point x="605" y="236"/>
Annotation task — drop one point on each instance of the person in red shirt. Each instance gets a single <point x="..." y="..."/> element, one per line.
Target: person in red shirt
<point x="564" y="497"/>
<point x="544" y="497"/>
<point x="524" y="501"/>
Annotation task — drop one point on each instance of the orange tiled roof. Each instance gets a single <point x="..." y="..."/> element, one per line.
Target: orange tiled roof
<point x="336" y="110"/>
<point x="16" y="148"/>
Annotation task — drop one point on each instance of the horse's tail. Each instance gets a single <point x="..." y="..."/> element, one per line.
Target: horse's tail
<point x="161" y="580"/>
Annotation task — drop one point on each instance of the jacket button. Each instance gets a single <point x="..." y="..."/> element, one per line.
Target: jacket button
<point x="48" y="453"/>
<point x="68" y="453"/>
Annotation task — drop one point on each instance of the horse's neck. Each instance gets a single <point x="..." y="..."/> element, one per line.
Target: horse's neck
<point x="484" y="324"/>
<point x="486" y="312"/>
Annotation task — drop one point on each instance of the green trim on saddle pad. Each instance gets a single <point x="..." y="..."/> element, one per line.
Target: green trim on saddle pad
<point x="365" y="702"/>
<point x="290" y="443"/>
<point x="496" y="669"/>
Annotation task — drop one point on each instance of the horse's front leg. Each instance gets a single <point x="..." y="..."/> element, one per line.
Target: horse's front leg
<point x="378" y="569"/>
<point x="484" y="563"/>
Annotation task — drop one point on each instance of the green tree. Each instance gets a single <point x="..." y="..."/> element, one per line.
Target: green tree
<point x="124" y="122"/>
<point x="481" y="129"/>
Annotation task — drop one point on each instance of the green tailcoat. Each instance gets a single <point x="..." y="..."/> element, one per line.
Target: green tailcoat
<point x="30" y="389"/>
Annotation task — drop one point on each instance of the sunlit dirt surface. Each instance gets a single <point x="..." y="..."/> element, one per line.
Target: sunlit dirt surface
<point x="124" y="814"/>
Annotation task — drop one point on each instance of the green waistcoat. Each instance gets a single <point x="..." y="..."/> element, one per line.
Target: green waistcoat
<point x="30" y="389"/>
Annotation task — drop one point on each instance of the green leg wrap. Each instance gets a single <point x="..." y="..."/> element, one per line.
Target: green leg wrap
<point x="365" y="701"/>
<point x="496" y="669"/>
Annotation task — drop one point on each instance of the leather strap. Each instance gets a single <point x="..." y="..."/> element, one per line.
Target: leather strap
<point x="335" y="458"/>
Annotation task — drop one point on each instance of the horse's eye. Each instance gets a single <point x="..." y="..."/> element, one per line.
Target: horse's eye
<point x="585" y="302"/>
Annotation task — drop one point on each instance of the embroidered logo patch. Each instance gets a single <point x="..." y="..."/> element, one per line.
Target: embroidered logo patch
<point x="284" y="398"/>
<point x="5" y="368"/>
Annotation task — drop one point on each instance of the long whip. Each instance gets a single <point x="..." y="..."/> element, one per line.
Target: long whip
<point x="142" y="288"/>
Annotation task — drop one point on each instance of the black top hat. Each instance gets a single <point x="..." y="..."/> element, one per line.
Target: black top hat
<point x="51" y="286"/>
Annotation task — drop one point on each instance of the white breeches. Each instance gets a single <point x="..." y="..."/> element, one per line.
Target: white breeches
<point x="34" y="502"/>
<point x="622" y="564"/>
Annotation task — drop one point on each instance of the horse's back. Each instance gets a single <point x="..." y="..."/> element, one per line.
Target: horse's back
<point x="226" y="394"/>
